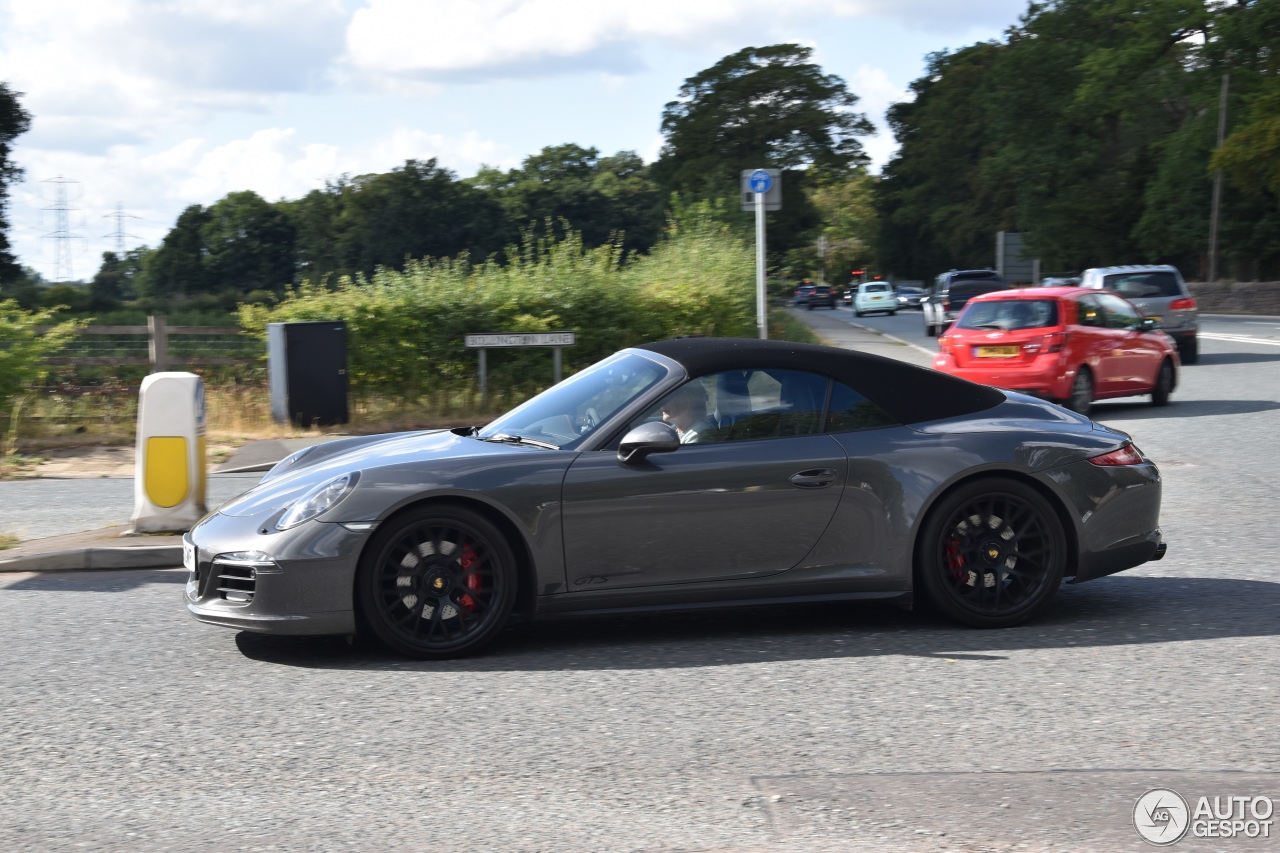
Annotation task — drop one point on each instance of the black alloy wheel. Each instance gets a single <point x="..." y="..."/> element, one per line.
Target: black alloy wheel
<point x="1164" y="384"/>
<point x="992" y="554"/>
<point x="437" y="582"/>
<point x="1081" y="398"/>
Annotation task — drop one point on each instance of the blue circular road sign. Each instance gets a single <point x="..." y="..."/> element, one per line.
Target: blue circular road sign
<point x="760" y="181"/>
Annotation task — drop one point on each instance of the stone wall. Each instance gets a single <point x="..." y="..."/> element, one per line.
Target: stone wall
<point x="1236" y="297"/>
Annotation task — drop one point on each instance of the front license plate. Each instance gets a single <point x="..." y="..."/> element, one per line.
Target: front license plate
<point x="997" y="352"/>
<point x="188" y="556"/>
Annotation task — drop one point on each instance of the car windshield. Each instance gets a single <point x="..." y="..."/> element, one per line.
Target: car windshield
<point x="1010" y="314"/>
<point x="1144" y="285"/>
<point x="566" y="413"/>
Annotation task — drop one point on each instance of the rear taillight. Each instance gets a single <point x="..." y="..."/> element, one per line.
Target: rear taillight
<point x="944" y="344"/>
<point x="1053" y="342"/>
<point x="1127" y="455"/>
<point x="1185" y="304"/>
<point x="946" y="304"/>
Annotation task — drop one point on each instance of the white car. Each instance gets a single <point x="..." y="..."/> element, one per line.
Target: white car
<point x="875" y="296"/>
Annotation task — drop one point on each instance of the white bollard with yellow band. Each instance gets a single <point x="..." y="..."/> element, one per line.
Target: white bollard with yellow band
<point x="169" y="477"/>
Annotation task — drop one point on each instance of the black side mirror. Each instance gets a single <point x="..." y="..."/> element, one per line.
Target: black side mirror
<point x="653" y="437"/>
<point x="1148" y="324"/>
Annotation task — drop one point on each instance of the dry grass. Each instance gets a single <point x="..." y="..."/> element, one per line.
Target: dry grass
<point x="234" y="415"/>
<point x="7" y="541"/>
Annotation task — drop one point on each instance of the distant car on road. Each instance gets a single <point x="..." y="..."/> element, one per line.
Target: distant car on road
<point x="822" y="296"/>
<point x="1161" y="294"/>
<point x="951" y="291"/>
<point x="1068" y="344"/>
<point x="803" y="292"/>
<point x="874" y="296"/>
<point x="910" y="297"/>
<point x="815" y="474"/>
<point x="1059" y="281"/>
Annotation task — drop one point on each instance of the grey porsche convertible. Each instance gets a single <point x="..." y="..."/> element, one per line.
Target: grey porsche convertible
<point x="697" y="472"/>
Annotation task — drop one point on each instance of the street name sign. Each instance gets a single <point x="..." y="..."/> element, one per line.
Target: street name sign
<point x="521" y="339"/>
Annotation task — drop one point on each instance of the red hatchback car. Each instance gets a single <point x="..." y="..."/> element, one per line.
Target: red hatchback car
<point x="1069" y="344"/>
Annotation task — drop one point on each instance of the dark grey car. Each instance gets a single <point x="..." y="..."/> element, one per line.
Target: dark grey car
<point x="695" y="472"/>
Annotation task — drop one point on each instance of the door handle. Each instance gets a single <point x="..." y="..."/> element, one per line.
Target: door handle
<point x="814" y="478"/>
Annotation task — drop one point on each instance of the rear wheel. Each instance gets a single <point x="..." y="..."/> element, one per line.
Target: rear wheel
<point x="437" y="582"/>
<point x="1081" y="398"/>
<point x="1164" y="384"/>
<point x="992" y="554"/>
<point x="929" y="330"/>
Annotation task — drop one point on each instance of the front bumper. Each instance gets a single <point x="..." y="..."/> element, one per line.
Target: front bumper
<point x="291" y="582"/>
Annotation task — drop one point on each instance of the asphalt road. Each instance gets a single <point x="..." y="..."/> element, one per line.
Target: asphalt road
<point x="34" y="509"/>
<point x="128" y="726"/>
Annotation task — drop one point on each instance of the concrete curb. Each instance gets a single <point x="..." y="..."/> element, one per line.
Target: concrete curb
<point x="82" y="559"/>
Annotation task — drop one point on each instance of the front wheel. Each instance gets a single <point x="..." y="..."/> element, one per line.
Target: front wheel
<point x="437" y="582"/>
<point x="1164" y="384"/>
<point x="992" y="554"/>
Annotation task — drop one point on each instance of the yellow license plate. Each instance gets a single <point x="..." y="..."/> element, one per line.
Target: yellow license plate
<point x="998" y="352"/>
<point x="1155" y="317"/>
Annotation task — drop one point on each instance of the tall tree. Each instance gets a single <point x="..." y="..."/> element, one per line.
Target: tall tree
<point x="417" y="210"/>
<point x="14" y="121"/>
<point x="762" y="107"/>
<point x="248" y="245"/>
<point x="177" y="267"/>
<point x="601" y="197"/>
<point x="1089" y="128"/>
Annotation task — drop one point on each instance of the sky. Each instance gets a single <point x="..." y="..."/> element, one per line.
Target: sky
<point x="141" y="108"/>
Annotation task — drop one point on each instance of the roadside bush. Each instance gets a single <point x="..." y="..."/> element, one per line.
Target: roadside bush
<point x="406" y="328"/>
<point x="22" y="348"/>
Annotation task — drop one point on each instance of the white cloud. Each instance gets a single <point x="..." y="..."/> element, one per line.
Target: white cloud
<point x="124" y="69"/>
<point x="877" y="93"/>
<point x="157" y="186"/>
<point x="475" y="38"/>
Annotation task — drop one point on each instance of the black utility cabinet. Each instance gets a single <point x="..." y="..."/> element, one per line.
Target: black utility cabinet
<point x="307" y="372"/>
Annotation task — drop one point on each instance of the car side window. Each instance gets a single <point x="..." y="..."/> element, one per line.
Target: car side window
<point x="742" y="405"/>
<point x="850" y="411"/>
<point x="1089" y="313"/>
<point x="1119" y="314"/>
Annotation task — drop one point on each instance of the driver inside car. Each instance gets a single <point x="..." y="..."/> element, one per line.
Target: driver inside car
<point x="686" y="410"/>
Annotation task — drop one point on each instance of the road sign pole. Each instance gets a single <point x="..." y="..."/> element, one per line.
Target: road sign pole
<point x="762" y="309"/>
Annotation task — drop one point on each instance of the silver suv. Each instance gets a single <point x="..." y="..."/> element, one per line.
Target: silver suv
<point x="951" y="291"/>
<point x="1160" y="293"/>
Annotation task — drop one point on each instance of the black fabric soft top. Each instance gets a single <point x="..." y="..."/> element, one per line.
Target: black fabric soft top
<point x="908" y="393"/>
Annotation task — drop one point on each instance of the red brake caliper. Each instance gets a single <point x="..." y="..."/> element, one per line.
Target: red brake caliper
<point x="955" y="561"/>
<point x="467" y="561"/>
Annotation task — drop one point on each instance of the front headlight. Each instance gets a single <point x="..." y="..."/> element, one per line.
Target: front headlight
<point x="318" y="500"/>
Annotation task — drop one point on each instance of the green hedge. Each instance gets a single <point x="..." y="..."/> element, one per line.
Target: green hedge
<point x="406" y="328"/>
